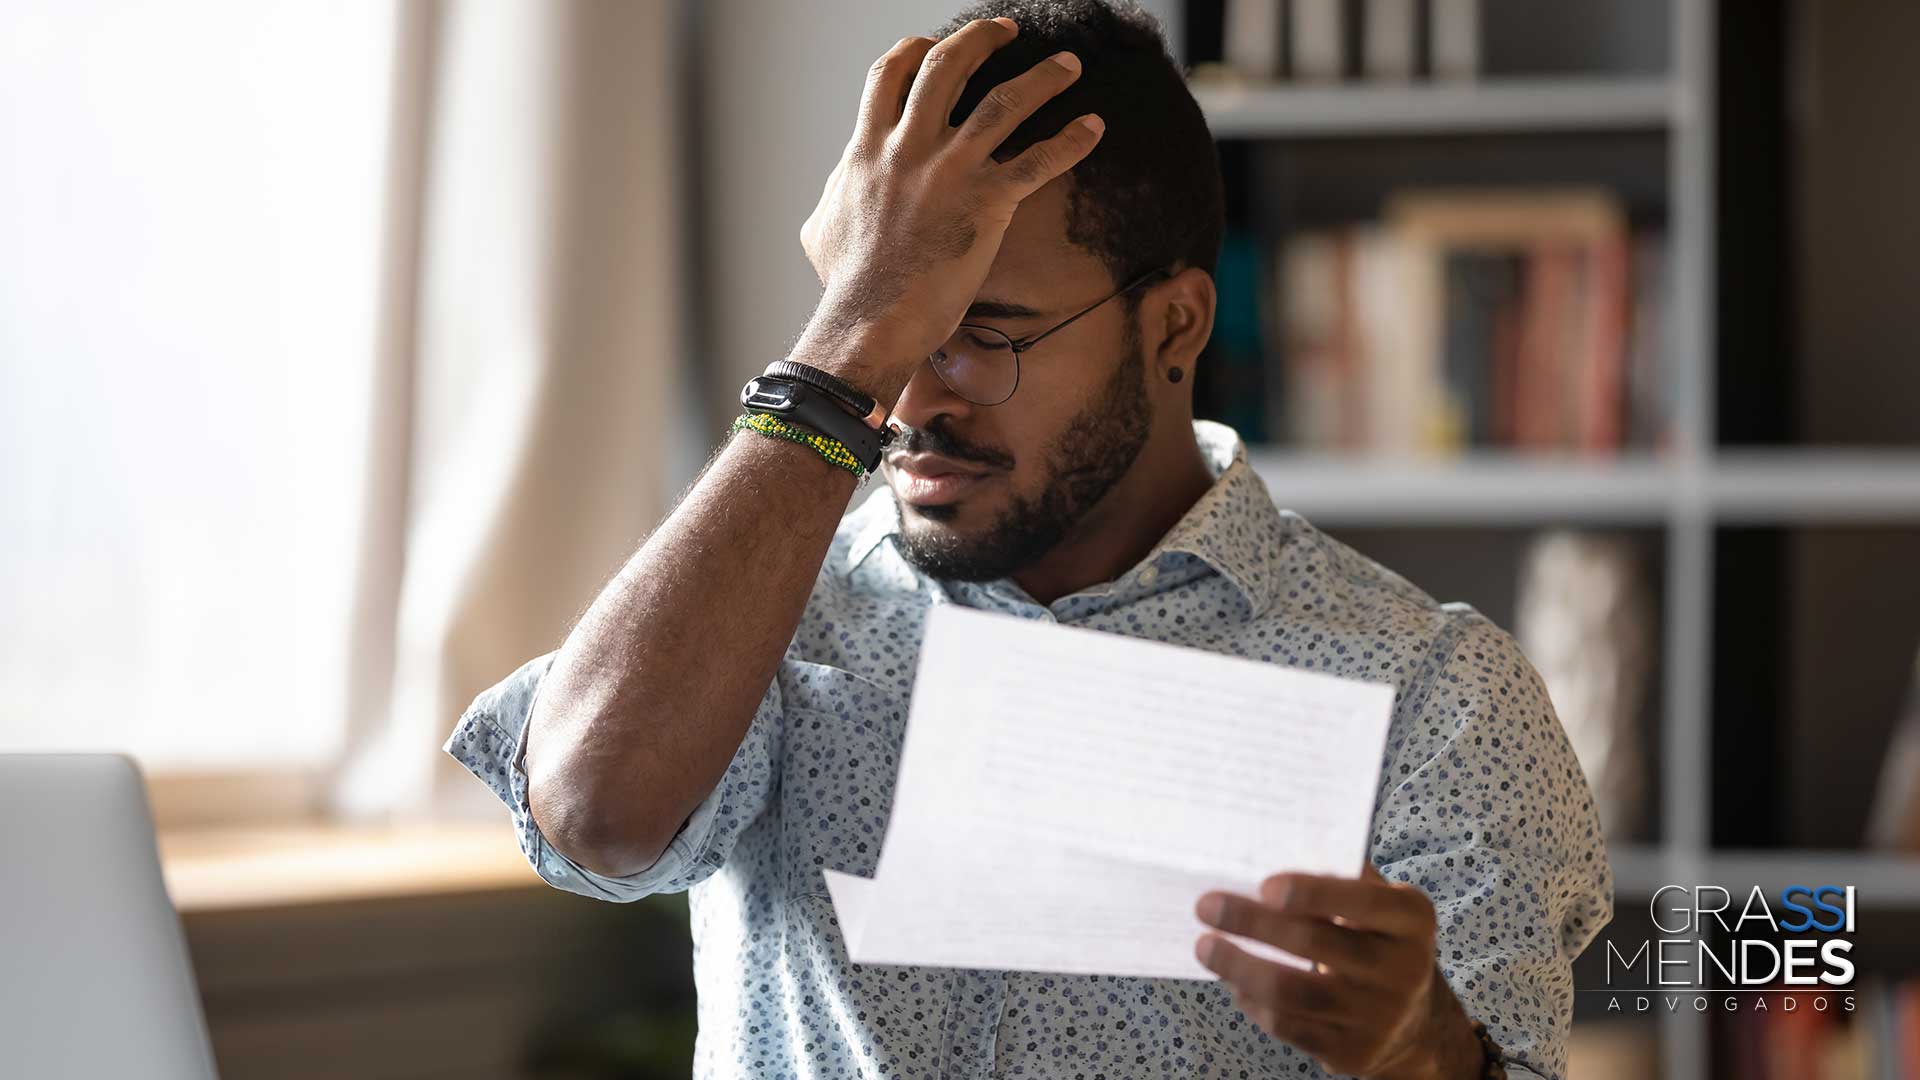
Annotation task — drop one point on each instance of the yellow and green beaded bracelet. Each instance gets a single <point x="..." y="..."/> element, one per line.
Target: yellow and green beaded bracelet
<point x="828" y="447"/>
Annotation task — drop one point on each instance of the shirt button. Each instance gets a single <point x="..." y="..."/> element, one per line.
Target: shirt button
<point x="1148" y="575"/>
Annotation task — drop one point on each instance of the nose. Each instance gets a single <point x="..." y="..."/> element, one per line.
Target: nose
<point x="926" y="397"/>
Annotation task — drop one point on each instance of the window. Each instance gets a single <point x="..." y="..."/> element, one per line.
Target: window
<point x="190" y="216"/>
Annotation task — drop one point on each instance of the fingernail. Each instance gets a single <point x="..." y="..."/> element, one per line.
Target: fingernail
<point x="1094" y="124"/>
<point x="1067" y="60"/>
<point x="1008" y="23"/>
<point x="1274" y="891"/>
<point x="1212" y="906"/>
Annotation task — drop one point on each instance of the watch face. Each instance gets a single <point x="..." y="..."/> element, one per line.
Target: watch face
<point x="764" y="394"/>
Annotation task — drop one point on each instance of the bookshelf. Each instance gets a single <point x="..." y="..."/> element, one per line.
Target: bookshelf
<point x="1706" y="477"/>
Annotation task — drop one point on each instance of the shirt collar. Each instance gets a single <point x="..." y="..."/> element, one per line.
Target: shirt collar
<point x="1233" y="527"/>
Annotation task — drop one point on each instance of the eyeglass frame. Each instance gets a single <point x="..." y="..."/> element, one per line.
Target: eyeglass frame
<point x="1020" y="345"/>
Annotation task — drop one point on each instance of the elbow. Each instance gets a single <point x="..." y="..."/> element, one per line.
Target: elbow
<point x="586" y="828"/>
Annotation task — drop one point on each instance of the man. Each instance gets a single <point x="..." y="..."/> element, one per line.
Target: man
<point x="726" y="716"/>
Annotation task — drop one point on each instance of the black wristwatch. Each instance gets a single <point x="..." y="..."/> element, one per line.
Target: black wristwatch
<point x="857" y="403"/>
<point x="812" y="406"/>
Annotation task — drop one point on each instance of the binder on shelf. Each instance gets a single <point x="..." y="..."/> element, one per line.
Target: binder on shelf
<point x="1317" y="36"/>
<point x="1453" y="38"/>
<point x="1389" y="39"/>
<point x="1251" y="35"/>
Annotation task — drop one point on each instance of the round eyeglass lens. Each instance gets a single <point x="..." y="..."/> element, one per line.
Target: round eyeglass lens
<point x="979" y="364"/>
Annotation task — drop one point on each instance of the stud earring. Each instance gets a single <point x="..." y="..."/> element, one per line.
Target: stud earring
<point x="1173" y="374"/>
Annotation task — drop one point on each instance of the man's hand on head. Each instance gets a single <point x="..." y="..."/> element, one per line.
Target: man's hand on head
<point x="1374" y="1005"/>
<point x="911" y="218"/>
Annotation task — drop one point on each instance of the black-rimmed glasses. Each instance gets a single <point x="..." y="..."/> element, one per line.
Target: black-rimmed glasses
<point x="982" y="364"/>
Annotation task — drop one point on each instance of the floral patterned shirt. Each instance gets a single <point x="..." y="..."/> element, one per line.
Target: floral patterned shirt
<point x="1481" y="804"/>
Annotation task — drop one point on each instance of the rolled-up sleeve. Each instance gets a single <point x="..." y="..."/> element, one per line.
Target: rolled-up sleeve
<point x="490" y="740"/>
<point x="1486" y="809"/>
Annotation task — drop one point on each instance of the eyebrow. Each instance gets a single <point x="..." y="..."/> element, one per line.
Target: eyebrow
<point x="1000" y="309"/>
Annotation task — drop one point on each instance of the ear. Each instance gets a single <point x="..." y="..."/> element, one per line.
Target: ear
<point x="1176" y="320"/>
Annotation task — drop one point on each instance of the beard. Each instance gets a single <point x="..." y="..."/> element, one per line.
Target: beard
<point x="1084" y="461"/>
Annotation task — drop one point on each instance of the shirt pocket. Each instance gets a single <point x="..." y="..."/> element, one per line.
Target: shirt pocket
<point x="842" y="755"/>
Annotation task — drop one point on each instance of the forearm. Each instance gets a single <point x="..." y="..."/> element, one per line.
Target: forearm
<point x="655" y="687"/>
<point x="653" y="691"/>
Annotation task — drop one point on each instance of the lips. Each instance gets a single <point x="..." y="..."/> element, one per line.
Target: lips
<point x="931" y="479"/>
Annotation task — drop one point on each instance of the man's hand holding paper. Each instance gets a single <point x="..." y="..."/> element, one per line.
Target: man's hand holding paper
<point x="1134" y="776"/>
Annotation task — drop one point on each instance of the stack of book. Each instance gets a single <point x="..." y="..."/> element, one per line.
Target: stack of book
<point x="1323" y="41"/>
<point x="1529" y="320"/>
<point x="1879" y="1040"/>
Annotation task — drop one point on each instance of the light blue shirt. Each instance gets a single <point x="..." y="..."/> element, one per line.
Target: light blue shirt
<point x="1480" y="803"/>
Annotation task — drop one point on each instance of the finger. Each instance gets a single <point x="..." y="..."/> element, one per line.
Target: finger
<point x="1311" y="937"/>
<point x="885" y="97"/>
<point x="948" y="66"/>
<point x="1043" y="161"/>
<point x="1381" y="906"/>
<point x="1006" y="105"/>
<point x="1289" y="991"/>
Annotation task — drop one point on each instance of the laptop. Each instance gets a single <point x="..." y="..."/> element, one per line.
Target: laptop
<point x="94" y="975"/>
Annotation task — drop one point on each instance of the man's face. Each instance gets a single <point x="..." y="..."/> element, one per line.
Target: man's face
<point x="983" y="491"/>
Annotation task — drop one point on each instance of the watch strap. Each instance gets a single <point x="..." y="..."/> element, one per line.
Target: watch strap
<point x="859" y="404"/>
<point x="801" y="403"/>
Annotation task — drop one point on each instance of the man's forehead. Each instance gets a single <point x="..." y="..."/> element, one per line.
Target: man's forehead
<point x="1037" y="266"/>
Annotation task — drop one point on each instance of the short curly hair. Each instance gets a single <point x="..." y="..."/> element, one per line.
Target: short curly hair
<point x="1149" y="195"/>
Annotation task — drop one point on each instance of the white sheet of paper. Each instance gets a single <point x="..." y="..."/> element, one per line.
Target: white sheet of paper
<point x="1066" y="795"/>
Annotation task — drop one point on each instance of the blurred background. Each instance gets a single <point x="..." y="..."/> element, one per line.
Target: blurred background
<point x="345" y="350"/>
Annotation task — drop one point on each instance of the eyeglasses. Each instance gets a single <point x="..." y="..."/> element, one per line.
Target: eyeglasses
<point x="982" y="364"/>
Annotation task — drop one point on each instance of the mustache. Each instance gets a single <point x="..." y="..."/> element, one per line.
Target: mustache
<point x="943" y="442"/>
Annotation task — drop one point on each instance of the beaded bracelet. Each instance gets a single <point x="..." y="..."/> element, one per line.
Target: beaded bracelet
<point x="828" y="447"/>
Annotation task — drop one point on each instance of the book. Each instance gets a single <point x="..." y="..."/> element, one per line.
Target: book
<point x="1389" y="39"/>
<point x="1453" y="38"/>
<point x="1230" y="383"/>
<point x="1483" y="289"/>
<point x="1651" y="386"/>
<point x="1601" y="423"/>
<point x="1250" y="38"/>
<point x="1311" y="284"/>
<point x="1317" y="40"/>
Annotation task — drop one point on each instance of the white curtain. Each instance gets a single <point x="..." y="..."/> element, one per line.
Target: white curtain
<point x="527" y="430"/>
<point x="190" y="201"/>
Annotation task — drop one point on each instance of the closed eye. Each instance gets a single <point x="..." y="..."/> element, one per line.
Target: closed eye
<point x="982" y="340"/>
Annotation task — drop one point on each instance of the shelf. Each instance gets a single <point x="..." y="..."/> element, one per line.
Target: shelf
<point x="1883" y="879"/>
<point x="1437" y="108"/>
<point x="1495" y="488"/>
<point x="1763" y="486"/>
<point x="1491" y="488"/>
